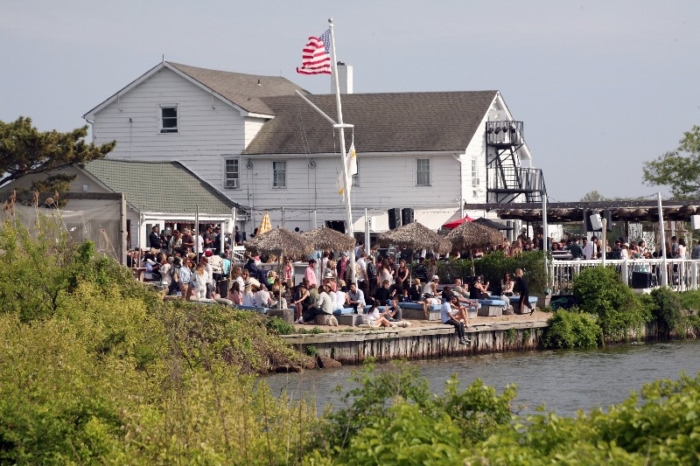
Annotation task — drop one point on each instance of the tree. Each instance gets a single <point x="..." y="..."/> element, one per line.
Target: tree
<point x="593" y="196"/>
<point x="679" y="169"/>
<point x="24" y="150"/>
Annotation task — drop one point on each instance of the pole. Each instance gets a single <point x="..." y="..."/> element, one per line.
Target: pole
<point x="122" y="230"/>
<point x="367" y="238"/>
<point x="662" y="233"/>
<point x="348" y="207"/>
<point x="282" y="217"/>
<point x="604" y="244"/>
<point x="315" y="222"/>
<point x="196" y="233"/>
<point x="545" y="236"/>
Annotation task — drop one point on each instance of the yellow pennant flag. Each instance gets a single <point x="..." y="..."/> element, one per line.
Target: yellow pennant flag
<point x="351" y="165"/>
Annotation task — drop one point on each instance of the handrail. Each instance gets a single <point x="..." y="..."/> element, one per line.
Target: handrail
<point x="682" y="273"/>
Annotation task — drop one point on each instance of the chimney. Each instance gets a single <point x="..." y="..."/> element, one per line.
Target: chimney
<point x="344" y="78"/>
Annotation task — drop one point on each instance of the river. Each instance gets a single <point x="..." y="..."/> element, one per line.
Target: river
<point x="564" y="380"/>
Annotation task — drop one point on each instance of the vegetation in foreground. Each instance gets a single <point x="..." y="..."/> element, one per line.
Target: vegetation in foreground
<point x="96" y="369"/>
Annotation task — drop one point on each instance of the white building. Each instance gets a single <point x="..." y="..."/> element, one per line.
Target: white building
<point x="267" y="150"/>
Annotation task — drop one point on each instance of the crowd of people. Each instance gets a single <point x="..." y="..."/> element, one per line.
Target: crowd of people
<point x="193" y="266"/>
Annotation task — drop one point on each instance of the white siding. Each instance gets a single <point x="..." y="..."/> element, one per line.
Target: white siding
<point x="386" y="181"/>
<point x="208" y="128"/>
<point x="475" y="151"/>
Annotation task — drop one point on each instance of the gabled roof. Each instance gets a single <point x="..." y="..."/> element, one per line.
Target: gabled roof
<point x="164" y="187"/>
<point x="241" y="90"/>
<point x="391" y="122"/>
<point x="244" y="90"/>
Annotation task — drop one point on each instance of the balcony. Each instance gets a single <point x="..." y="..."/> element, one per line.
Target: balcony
<point x="504" y="134"/>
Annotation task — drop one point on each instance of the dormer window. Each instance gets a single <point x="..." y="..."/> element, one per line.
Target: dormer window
<point x="168" y="119"/>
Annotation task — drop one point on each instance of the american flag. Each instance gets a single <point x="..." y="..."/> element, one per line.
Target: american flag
<point x="316" y="58"/>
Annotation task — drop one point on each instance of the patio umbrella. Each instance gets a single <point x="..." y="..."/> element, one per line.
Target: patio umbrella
<point x="455" y="223"/>
<point x="323" y="238"/>
<point x="265" y="224"/>
<point x="415" y="236"/>
<point x="470" y="236"/>
<point x="280" y="242"/>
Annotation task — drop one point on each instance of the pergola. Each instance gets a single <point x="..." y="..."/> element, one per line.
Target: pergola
<point x="646" y="210"/>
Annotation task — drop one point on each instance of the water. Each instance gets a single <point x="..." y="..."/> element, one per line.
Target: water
<point x="564" y="381"/>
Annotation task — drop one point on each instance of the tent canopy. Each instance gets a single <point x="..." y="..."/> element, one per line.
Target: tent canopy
<point x="455" y="223"/>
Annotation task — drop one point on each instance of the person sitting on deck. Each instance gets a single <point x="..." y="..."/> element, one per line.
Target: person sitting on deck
<point x="384" y="293"/>
<point x="393" y="311"/>
<point x="507" y="285"/>
<point x="324" y="305"/>
<point x="479" y="290"/>
<point x="448" y="315"/>
<point x="415" y="293"/>
<point x="356" y="299"/>
<point x="377" y="319"/>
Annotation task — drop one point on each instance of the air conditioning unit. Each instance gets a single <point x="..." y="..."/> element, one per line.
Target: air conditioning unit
<point x="232" y="184"/>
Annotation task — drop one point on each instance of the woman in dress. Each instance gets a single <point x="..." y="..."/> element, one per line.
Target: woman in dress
<point x="402" y="275"/>
<point x="385" y="273"/>
<point x="524" y="292"/>
<point x="479" y="289"/>
<point x="507" y="285"/>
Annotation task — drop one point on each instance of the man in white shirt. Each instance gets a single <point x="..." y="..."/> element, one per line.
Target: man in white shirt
<point x="362" y="278"/>
<point x="589" y="250"/>
<point x="448" y="312"/>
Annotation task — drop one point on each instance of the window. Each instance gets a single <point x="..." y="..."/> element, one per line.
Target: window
<point x="475" y="174"/>
<point x="279" y="174"/>
<point x="423" y="172"/>
<point x="231" y="173"/>
<point x="168" y="119"/>
<point x="356" y="177"/>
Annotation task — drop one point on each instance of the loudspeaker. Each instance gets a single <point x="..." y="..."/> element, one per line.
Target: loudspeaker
<point x="596" y="222"/>
<point x="607" y="214"/>
<point x="394" y="218"/>
<point x="406" y="215"/>
<point x="695" y="222"/>
<point x="641" y="280"/>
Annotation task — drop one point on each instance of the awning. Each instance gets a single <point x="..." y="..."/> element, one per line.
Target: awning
<point x="491" y="224"/>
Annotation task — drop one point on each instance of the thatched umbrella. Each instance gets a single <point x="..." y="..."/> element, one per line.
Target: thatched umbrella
<point x="470" y="236"/>
<point x="415" y="236"/>
<point x="323" y="238"/>
<point x="280" y="242"/>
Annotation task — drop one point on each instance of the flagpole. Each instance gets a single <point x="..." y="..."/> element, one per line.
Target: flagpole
<point x="341" y="126"/>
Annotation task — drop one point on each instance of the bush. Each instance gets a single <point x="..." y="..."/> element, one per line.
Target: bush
<point x="573" y="329"/>
<point x="494" y="265"/>
<point x="690" y="300"/>
<point x="96" y="368"/>
<point x="666" y="309"/>
<point x="600" y="291"/>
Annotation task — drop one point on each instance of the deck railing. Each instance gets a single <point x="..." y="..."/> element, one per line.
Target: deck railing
<point x="682" y="273"/>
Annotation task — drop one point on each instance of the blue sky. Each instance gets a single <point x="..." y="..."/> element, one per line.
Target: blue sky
<point x="601" y="86"/>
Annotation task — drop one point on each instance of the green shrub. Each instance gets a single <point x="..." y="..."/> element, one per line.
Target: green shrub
<point x="690" y="300"/>
<point x="96" y="368"/>
<point x="279" y="326"/>
<point x="494" y="265"/>
<point x="666" y="309"/>
<point x="572" y="329"/>
<point x="600" y="291"/>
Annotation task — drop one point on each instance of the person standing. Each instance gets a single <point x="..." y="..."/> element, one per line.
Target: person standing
<point x="310" y="273"/>
<point x="448" y="316"/>
<point x="521" y="283"/>
<point x="154" y="237"/>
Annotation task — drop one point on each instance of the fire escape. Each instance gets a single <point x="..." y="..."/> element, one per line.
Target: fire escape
<point x="506" y="180"/>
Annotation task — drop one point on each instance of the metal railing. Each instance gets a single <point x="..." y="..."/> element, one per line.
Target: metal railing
<point x="682" y="273"/>
<point x="504" y="133"/>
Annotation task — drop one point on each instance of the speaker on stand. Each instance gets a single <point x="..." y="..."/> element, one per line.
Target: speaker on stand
<point x="406" y="216"/>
